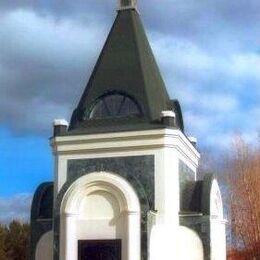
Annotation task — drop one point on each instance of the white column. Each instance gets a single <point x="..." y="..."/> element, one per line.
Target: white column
<point x="134" y="236"/>
<point x="70" y="239"/>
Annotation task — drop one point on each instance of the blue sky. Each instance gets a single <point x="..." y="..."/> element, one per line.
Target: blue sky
<point x="25" y="162"/>
<point x="208" y="52"/>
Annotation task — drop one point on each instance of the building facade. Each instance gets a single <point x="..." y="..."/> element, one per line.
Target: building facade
<point x="125" y="183"/>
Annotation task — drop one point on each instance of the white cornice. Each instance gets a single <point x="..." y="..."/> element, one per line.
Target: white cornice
<point x="135" y="140"/>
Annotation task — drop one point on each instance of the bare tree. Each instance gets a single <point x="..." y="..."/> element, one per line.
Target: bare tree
<point x="244" y="183"/>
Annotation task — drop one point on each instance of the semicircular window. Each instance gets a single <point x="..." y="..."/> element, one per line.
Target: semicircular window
<point x="115" y="105"/>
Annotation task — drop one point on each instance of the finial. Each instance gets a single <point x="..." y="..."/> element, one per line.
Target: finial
<point x="127" y="4"/>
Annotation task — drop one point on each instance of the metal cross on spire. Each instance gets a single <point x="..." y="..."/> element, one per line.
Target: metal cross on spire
<point x="127" y="3"/>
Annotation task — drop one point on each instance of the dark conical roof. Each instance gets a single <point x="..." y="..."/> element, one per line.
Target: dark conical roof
<point x="127" y="66"/>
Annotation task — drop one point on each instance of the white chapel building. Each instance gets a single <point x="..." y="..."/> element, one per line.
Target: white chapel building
<point x="125" y="184"/>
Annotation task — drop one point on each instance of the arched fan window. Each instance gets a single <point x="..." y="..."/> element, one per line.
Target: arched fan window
<point x="115" y="105"/>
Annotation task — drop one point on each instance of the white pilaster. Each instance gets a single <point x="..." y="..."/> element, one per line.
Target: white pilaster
<point x="70" y="249"/>
<point x="134" y="234"/>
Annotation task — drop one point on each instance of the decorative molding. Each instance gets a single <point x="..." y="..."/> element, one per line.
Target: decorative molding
<point x="127" y="141"/>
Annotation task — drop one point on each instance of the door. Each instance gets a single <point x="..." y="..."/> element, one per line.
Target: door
<point x="99" y="249"/>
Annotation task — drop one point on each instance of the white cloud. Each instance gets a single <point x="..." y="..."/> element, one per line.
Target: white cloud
<point x="210" y="102"/>
<point x="246" y="65"/>
<point x="44" y="115"/>
<point x="218" y="93"/>
<point x="207" y="55"/>
<point x="16" y="207"/>
<point x="42" y="38"/>
<point x="44" y="65"/>
<point x="197" y="124"/>
<point x="181" y="52"/>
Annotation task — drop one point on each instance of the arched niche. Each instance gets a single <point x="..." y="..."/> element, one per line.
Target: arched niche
<point x="216" y="203"/>
<point x="44" y="248"/>
<point x="217" y="223"/>
<point x="100" y="206"/>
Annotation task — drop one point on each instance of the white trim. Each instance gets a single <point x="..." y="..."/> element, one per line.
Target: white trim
<point x="129" y="7"/>
<point x="125" y="141"/>
<point x="101" y="181"/>
<point x="193" y="139"/>
<point x="60" y="122"/>
<point x="168" y="113"/>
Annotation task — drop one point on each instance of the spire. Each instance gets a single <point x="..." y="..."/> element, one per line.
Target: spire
<point x="126" y="90"/>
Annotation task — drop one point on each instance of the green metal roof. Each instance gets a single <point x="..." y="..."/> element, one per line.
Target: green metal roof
<point x="125" y="65"/>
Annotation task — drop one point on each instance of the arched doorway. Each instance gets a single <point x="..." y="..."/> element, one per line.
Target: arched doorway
<point x="100" y="210"/>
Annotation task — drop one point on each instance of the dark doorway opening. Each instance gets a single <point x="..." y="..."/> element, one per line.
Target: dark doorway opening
<point x="99" y="249"/>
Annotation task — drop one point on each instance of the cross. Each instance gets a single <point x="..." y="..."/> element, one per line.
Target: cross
<point x="127" y="3"/>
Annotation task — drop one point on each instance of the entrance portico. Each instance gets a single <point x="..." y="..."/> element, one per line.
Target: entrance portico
<point x="100" y="206"/>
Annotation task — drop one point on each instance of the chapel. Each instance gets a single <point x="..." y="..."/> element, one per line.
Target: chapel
<point x="125" y="179"/>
